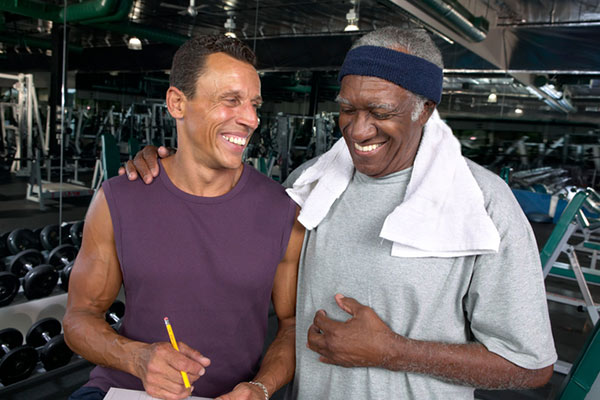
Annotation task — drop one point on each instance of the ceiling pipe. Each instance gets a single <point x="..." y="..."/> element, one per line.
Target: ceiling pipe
<point x="91" y="9"/>
<point x="459" y="18"/>
<point x="120" y="15"/>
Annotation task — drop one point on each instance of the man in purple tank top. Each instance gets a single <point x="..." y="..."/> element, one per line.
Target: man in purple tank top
<point x="208" y="244"/>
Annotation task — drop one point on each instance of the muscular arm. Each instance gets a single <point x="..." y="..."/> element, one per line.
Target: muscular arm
<point x="93" y="286"/>
<point x="365" y="340"/>
<point x="279" y="363"/>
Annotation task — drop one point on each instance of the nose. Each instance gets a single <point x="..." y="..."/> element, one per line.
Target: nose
<point x="248" y="116"/>
<point x="360" y="128"/>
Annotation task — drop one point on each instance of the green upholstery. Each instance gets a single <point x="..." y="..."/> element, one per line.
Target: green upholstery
<point x="566" y="218"/>
<point x="584" y="371"/>
<point x="591" y="245"/>
<point x="133" y="146"/>
<point x="111" y="157"/>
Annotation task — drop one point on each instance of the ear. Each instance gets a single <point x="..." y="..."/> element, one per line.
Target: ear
<point x="427" y="111"/>
<point x="176" y="102"/>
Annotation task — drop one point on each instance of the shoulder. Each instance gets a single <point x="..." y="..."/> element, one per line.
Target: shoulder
<point x="262" y="183"/>
<point x="495" y="190"/>
<point x="295" y="174"/>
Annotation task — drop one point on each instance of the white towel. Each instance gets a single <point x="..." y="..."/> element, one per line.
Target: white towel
<point x="442" y="215"/>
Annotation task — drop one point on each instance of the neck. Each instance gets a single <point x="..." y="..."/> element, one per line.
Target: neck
<point x="198" y="179"/>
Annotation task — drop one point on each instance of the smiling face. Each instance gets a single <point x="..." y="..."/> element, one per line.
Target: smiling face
<point x="375" y="120"/>
<point x="216" y="124"/>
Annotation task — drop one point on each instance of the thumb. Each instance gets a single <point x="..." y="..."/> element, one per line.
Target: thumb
<point x="347" y="304"/>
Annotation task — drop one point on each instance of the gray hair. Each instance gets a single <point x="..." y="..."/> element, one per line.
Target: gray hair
<point x="416" y="42"/>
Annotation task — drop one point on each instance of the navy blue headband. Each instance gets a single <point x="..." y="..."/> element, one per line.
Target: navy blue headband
<point x="414" y="74"/>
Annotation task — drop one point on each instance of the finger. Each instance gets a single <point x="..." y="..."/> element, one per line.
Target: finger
<point x="315" y="340"/>
<point x="348" y="304"/>
<point x="165" y="152"/>
<point x="193" y="354"/>
<point x="143" y="163"/>
<point x="121" y="170"/>
<point x="182" y="362"/>
<point x="323" y="322"/>
<point x="131" y="172"/>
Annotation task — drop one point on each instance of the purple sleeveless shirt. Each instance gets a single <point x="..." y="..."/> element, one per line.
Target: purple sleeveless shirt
<point x="206" y="263"/>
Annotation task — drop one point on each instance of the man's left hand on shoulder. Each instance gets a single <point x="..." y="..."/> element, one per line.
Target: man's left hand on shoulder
<point x="244" y="391"/>
<point x="360" y="341"/>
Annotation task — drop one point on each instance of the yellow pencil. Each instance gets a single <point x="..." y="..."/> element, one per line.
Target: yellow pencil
<point x="186" y="381"/>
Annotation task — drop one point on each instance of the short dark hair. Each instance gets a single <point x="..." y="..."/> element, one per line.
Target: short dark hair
<point x="190" y="59"/>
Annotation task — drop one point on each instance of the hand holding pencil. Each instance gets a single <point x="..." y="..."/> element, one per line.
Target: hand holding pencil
<point x="161" y="367"/>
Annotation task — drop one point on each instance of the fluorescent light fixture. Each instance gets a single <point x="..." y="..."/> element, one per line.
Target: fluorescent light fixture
<point x="518" y="111"/>
<point x="352" y="19"/>
<point x="134" y="43"/>
<point x="230" y="26"/>
<point x="551" y="91"/>
<point x="492" y="98"/>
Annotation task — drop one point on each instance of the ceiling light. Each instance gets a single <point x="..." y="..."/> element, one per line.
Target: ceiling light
<point x="230" y="26"/>
<point x="518" y="111"/>
<point x="134" y="43"/>
<point x="352" y="19"/>
<point x="492" y="98"/>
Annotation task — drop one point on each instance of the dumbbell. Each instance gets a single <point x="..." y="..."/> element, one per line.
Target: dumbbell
<point x="115" y="313"/>
<point x="62" y="256"/>
<point x="9" y="287"/>
<point x="76" y="233"/>
<point x="49" y="237"/>
<point x="45" y="334"/>
<point x="17" y="361"/>
<point x="65" y="274"/>
<point x="22" y="239"/>
<point x="39" y="279"/>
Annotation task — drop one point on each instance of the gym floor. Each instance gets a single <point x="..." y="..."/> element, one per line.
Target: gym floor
<point x="570" y="327"/>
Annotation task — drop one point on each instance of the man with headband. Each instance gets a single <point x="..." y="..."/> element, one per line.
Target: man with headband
<point x="419" y="276"/>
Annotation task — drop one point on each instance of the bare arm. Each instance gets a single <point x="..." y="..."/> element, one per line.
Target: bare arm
<point x="365" y="340"/>
<point x="278" y="365"/>
<point x="93" y="286"/>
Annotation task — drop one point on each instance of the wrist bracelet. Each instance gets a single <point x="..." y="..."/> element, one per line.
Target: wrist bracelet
<point x="260" y="385"/>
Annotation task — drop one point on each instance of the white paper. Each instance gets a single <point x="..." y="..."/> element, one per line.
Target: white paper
<point x="126" y="394"/>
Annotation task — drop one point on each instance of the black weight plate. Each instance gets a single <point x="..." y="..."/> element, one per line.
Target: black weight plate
<point x="61" y="256"/>
<point x="9" y="287"/>
<point x="22" y="239"/>
<point x="49" y="237"/>
<point x="65" y="274"/>
<point x="65" y="229"/>
<point x="40" y="281"/>
<point x="11" y="338"/>
<point x="34" y="336"/>
<point x="55" y="353"/>
<point x="19" y="264"/>
<point x="76" y="233"/>
<point x="118" y="309"/>
<point x="3" y="245"/>
<point x="17" y="364"/>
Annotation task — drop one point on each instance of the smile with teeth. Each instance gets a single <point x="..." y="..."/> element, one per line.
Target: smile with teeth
<point x="370" y="147"/>
<point x="236" y="140"/>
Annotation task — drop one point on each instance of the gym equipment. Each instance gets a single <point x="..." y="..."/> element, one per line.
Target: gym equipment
<point x="54" y="352"/>
<point x="22" y="239"/>
<point x="18" y="361"/>
<point x="49" y="237"/>
<point x="76" y="233"/>
<point x="65" y="274"/>
<point x="3" y="245"/>
<point x="62" y="256"/>
<point x="115" y="313"/>
<point x="9" y="287"/>
<point x="585" y="370"/>
<point x="39" y="279"/>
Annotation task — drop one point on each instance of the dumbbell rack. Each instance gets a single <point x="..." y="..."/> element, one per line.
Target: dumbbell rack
<point x="21" y="314"/>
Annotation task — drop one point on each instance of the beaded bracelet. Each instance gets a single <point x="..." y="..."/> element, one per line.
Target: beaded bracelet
<point x="264" y="389"/>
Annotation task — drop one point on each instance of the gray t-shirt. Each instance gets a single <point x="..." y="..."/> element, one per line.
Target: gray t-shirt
<point x="497" y="299"/>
